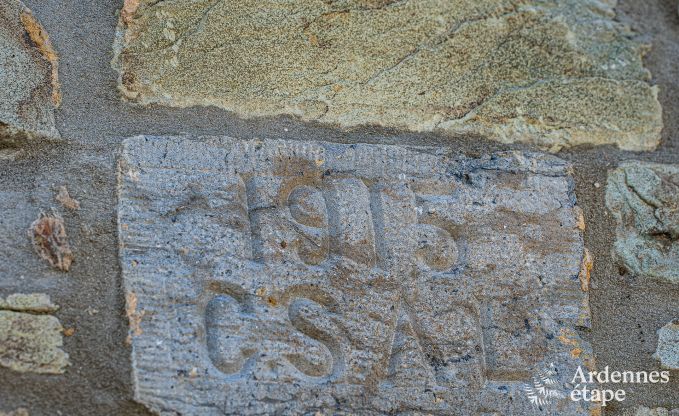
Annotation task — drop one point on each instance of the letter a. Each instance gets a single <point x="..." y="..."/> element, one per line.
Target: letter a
<point x="581" y="374"/>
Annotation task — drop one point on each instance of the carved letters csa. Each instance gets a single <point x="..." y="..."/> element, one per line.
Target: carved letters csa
<point x="301" y="277"/>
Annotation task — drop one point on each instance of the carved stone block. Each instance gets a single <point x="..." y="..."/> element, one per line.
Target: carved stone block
<point x="281" y="277"/>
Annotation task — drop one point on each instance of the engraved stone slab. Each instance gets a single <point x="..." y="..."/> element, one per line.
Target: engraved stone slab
<point x="282" y="277"/>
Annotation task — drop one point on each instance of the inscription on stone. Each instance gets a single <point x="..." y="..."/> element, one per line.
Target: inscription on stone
<point x="293" y="278"/>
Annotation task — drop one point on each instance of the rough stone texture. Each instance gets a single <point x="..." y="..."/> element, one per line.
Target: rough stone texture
<point x="30" y="342"/>
<point x="18" y="412"/>
<point x="19" y="302"/>
<point x="29" y="86"/>
<point x="282" y="277"/>
<point x="658" y="411"/>
<point x="627" y="310"/>
<point x="668" y="346"/>
<point x="644" y="199"/>
<point x="554" y="73"/>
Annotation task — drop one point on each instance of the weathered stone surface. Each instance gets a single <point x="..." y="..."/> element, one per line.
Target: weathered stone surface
<point x="273" y="277"/>
<point x="644" y="199"/>
<point x="555" y="73"/>
<point x="18" y="412"/>
<point x="35" y="302"/>
<point x="658" y="411"/>
<point x="30" y="342"/>
<point x="668" y="346"/>
<point x="29" y="86"/>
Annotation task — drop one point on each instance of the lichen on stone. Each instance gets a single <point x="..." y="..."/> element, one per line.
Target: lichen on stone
<point x="554" y="73"/>
<point x="50" y="241"/>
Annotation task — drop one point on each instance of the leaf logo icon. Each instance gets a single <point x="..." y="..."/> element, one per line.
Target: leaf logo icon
<point x="542" y="390"/>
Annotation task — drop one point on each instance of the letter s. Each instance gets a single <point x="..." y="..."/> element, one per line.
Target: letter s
<point x="314" y="321"/>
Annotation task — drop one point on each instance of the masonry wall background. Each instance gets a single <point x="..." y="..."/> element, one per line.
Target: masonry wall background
<point x="627" y="309"/>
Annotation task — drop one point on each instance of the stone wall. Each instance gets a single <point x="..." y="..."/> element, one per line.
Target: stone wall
<point x="337" y="207"/>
